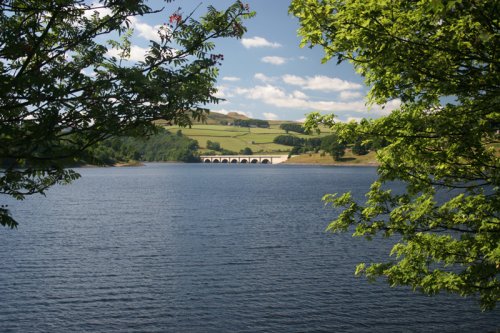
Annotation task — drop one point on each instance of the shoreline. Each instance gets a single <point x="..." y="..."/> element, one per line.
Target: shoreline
<point x="128" y="165"/>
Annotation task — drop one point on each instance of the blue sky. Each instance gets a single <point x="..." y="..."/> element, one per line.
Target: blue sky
<point x="266" y="75"/>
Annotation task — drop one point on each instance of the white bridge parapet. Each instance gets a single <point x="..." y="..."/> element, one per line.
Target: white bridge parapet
<point x="260" y="159"/>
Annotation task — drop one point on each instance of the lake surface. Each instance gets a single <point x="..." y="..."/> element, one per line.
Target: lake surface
<point x="205" y="248"/>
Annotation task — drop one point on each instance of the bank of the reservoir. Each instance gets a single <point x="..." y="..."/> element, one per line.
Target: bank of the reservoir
<point x="321" y="159"/>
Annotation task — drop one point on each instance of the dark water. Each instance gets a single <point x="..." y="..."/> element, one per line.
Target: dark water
<point x="205" y="248"/>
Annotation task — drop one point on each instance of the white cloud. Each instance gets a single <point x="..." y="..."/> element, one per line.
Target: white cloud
<point x="268" y="94"/>
<point x="270" y="116"/>
<point x="332" y="106"/>
<point x="223" y="92"/>
<point x="294" y="80"/>
<point x="387" y="107"/>
<point x="274" y="60"/>
<point x="137" y="53"/>
<point x="299" y="94"/>
<point x="258" y="42"/>
<point x="346" y="95"/>
<point x="145" y="30"/>
<point x="278" y="97"/>
<point x="264" y="78"/>
<point x="87" y="72"/>
<point x="101" y="11"/>
<point x="230" y="78"/>
<point x="113" y="53"/>
<point x="320" y="82"/>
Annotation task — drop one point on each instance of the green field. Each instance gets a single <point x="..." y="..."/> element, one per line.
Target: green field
<point x="234" y="138"/>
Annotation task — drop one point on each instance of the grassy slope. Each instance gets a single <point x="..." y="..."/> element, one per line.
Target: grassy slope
<point x="237" y="138"/>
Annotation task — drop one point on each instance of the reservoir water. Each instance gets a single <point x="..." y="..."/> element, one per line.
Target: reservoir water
<point x="206" y="248"/>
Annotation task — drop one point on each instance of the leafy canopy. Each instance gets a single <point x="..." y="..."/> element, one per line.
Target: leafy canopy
<point x="61" y="91"/>
<point x="440" y="58"/>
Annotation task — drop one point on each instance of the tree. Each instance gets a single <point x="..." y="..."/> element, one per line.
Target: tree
<point x="334" y="146"/>
<point x="288" y="140"/>
<point x="246" y="151"/>
<point x="61" y="92"/>
<point x="312" y="144"/>
<point x="296" y="150"/>
<point x="440" y="58"/>
<point x="294" y="127"/>
<point x="251" y="122"/>
<point x="213" y="145"/>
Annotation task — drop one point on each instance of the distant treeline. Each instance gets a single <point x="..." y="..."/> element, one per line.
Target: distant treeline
<point x="292" y="140"/>
<point x="292" y="127"/>
<point x="251" y="123"/>
<point x="162" y="146"/>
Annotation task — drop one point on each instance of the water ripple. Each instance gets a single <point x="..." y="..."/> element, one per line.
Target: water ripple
<point x="191" y="248"/>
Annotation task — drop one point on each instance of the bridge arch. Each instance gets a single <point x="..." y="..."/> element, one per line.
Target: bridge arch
<point x="224" y="160"/>
<point x="207" y="160"/>
<point x="244" y="160"/>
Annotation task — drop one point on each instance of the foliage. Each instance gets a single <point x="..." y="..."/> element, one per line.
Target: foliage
<point x="61" y="92"/>
<point x="360" y="147"/>
<point x="288" y="140"/>
<point x="246" y="151"/>
<point x="313" y="144"/>
<point x="227" y="152"/>
<point x="334" y="146"/>
<point x="251" y="123"/>
<point x="295" y="151"/>
<point x="440" y="58"/>
<point x="292" y="127"/>
<point x="161" y="147"/>
<point x="213" y="145"/>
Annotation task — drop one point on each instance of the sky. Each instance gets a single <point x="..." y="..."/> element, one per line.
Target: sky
<point x="266" y="75"/>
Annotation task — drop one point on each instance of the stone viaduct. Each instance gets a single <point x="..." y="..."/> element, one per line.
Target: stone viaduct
<point x="260" y="159"/>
